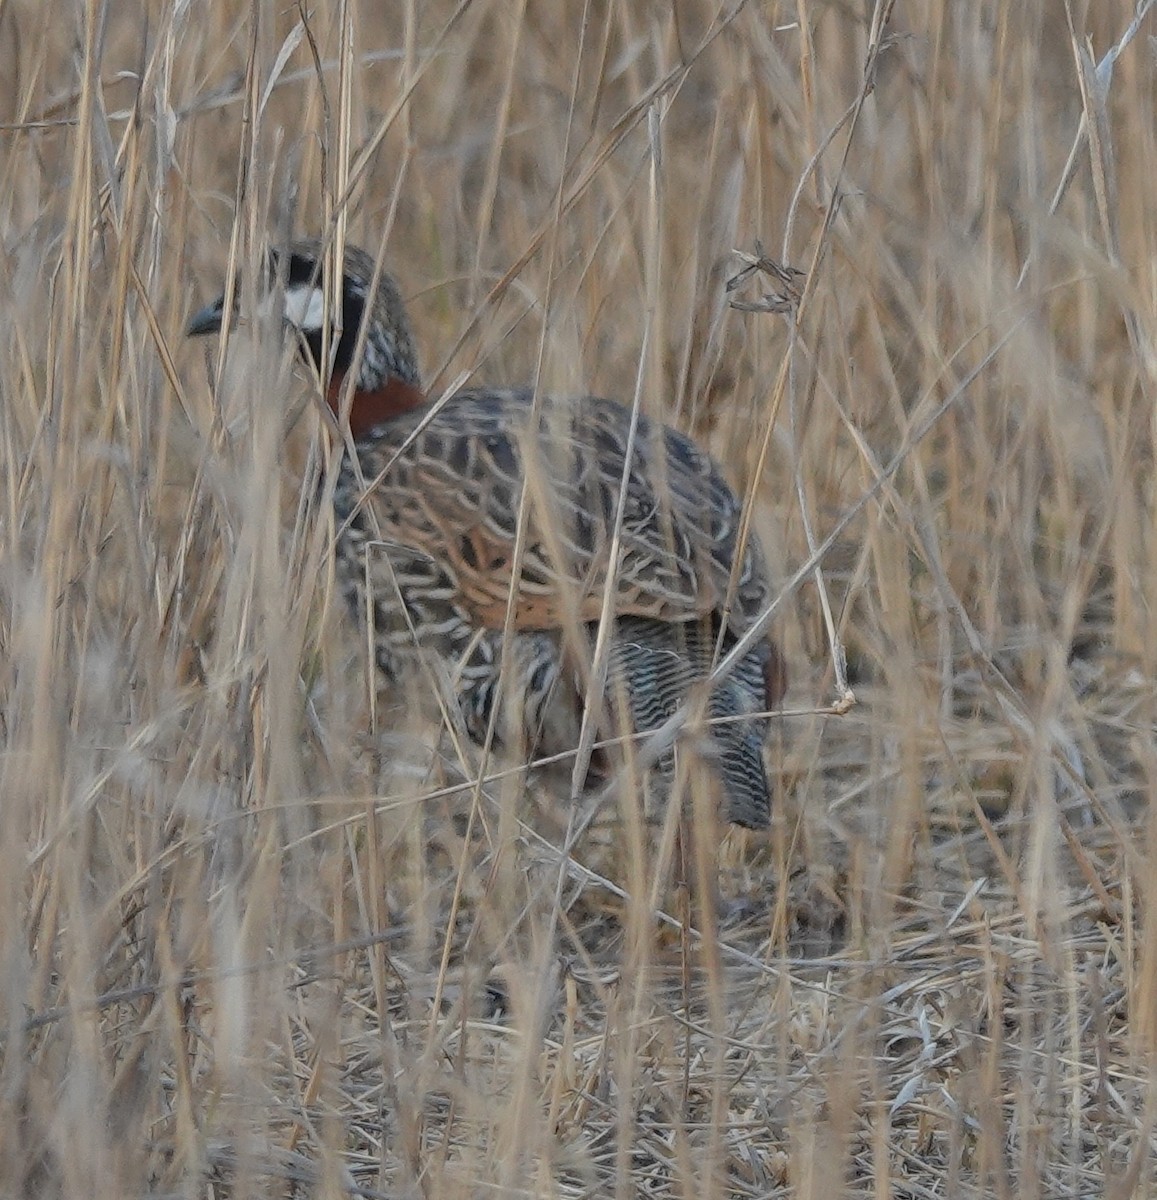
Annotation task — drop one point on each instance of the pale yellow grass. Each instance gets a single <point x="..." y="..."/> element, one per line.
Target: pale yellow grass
<point x="261" y="937"/>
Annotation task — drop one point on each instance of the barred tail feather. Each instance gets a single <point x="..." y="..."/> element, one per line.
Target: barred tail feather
<point x="657" y="663"/>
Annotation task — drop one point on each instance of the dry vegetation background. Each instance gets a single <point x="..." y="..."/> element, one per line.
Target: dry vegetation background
<point x="255" y="939"/>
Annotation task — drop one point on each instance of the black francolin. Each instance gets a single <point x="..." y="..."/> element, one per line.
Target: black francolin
<point x="428" y="522"/>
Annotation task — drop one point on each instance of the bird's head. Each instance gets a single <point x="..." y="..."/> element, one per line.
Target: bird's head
<point x="294" y="282"/>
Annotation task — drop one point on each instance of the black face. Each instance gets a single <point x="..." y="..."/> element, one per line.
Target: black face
<point x="304" y="308"/>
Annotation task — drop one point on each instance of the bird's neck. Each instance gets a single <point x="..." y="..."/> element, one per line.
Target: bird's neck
<point x="374" y="407"/>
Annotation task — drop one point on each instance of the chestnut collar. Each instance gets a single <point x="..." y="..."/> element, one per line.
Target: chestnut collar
<point x="370" y="409"/>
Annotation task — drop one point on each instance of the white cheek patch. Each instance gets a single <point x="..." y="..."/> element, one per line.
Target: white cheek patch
<point x="304" y="307"/>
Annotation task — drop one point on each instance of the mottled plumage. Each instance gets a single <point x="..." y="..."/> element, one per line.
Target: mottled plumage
<point x="427" y="544"/>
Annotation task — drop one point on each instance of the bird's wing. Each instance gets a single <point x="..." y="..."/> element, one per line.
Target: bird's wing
<point x="453" y="495"/>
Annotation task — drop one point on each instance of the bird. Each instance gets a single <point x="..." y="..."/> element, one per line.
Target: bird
<point x="427" y="502"/>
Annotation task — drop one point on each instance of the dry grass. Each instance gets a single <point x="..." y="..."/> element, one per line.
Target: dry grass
<point x="255" y="939"/>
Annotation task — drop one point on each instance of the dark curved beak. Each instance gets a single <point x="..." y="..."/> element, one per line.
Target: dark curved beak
<point x="207" y="320"/>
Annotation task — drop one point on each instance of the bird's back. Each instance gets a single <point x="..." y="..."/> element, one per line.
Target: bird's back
<point x="449" y="484"/>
